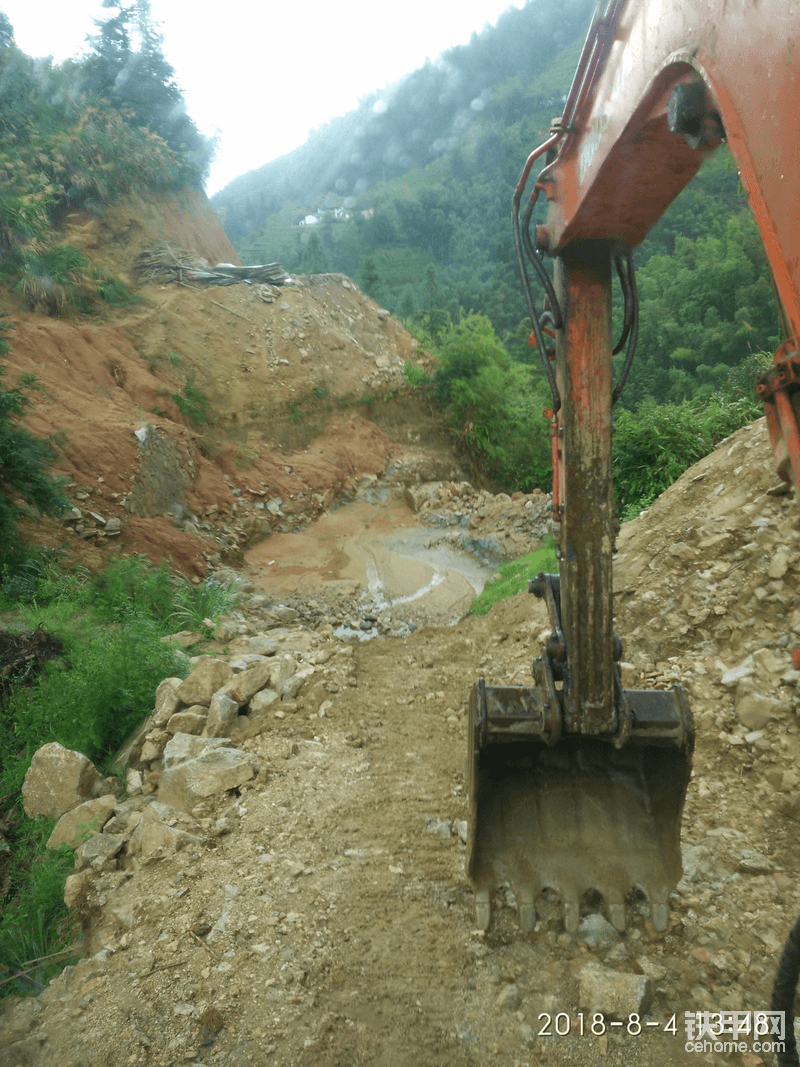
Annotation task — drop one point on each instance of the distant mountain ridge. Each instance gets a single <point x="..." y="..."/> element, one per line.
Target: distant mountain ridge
<point x="410" y="123"/>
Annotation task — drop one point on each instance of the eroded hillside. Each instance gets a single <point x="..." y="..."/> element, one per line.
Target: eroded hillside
<point x="260" y="372"/>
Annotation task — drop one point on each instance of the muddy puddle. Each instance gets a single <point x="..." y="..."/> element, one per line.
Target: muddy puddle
<point x="379" y="556"/>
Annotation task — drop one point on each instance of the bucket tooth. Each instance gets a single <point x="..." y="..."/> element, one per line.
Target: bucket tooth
<point x="659" y="909"/>
<point x="572" y="912"/>
<point x="483" y="909"/>
<point x="527" y="911"/>
<point x="616" y="910"/>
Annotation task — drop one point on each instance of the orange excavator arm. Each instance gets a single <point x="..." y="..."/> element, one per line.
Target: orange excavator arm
<point x="577" y="786"/>
<point x="660" y="83"/>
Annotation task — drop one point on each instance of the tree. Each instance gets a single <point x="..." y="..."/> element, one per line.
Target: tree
<point x="142" y="80"/>
<point x="314" y="261"/>
<point x="6" y="31"/>
<point x="111" y="48"/>
<point x="370" y="278"/>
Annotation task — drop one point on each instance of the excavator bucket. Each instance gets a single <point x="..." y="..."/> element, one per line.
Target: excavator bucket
<point x="578" y="817"/>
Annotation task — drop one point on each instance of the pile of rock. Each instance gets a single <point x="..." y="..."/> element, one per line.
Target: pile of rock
<point x="494" y="526"/>
<point x="185" y="754"/>
<point x="85" y="519"/>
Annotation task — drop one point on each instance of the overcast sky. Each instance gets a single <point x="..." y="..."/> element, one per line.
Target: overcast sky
<point x="263" y="74"/>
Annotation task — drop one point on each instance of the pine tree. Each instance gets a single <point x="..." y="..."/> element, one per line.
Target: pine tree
<point x="111" y="49"/>
<point x="140" y="79"/>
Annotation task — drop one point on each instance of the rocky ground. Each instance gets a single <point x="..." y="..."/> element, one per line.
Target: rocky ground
<point x="301" y="899"/>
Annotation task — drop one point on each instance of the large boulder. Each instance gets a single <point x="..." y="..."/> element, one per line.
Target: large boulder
<point x="263" y="700"/>
<point x="184" y="747"/>
<point x="98" y="851"/>
<point x="249" y="682"/>
<point x="190" y="721"/>
<point x="222" y="713"/>
<point x="58" y="780"/>
<point x="167" y="700"/>
<point x="78" y="824"/>
<point x="187" y="784"/>
<point x="158" y="830"/>
<point x="208" y="676"/>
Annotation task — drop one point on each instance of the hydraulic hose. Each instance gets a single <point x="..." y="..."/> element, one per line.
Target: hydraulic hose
<point x="520" y="254"/>
<point x="630" y="329"/>
<point x="536" y="260"/>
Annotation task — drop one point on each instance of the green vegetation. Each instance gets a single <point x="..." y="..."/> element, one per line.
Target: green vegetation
<point x="193" y="403"/>
<point x="107" y="659"/>
<point x="494" y="406"/>
<point x="89" y="699"/>
<point x="114" y="291"/>
<point x="513" y="577"/>
<point x="77" y="135"/>
<point x="655" y="444"/>
<point x="37" y="935"/>
<point x="25" y="462"/>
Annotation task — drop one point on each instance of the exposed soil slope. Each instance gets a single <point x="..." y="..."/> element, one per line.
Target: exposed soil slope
<point x="264" y="372"/>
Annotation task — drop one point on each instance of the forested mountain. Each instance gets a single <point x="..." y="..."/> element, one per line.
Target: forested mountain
<point x="421" y="117"/>
<point x="411" y="195"/>
<point x="437" y="237"/>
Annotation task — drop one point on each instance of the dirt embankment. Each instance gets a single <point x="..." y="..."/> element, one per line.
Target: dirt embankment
<point x="188" y="412"/>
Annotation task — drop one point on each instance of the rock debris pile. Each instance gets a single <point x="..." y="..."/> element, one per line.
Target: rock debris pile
<point x="494" y="527"/>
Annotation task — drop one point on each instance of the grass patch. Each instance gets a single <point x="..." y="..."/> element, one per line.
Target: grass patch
<point x="115" y="292"/>
<point x="193" y="403"/>
<point x="89" y="699"/>
<point x="38" y="938"/>
<point x="513" y="577"/>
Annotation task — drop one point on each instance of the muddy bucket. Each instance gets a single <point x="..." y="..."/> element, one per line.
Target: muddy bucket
<point x="576" y="817"/>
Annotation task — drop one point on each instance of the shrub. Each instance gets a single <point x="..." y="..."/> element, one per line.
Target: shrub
<point x="55" y="279"/>
<point x="115" y="292"/>
<point x="93" y="698"/>
<point x="494" y="405"/>
<point x="90" y="700"/>
<point x="25" y="462"/>
<point x="416" y="376"/>
<point x="193" y="403"/>
<point x="655" y="444"/>
<point x="196" y="603"/>
<point x="133" y="586"/>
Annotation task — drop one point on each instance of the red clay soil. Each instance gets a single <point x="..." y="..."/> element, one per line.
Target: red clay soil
<point x="281" y="374"/>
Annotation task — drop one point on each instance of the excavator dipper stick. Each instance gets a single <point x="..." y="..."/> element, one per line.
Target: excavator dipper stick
<point x="583" y="284"/>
